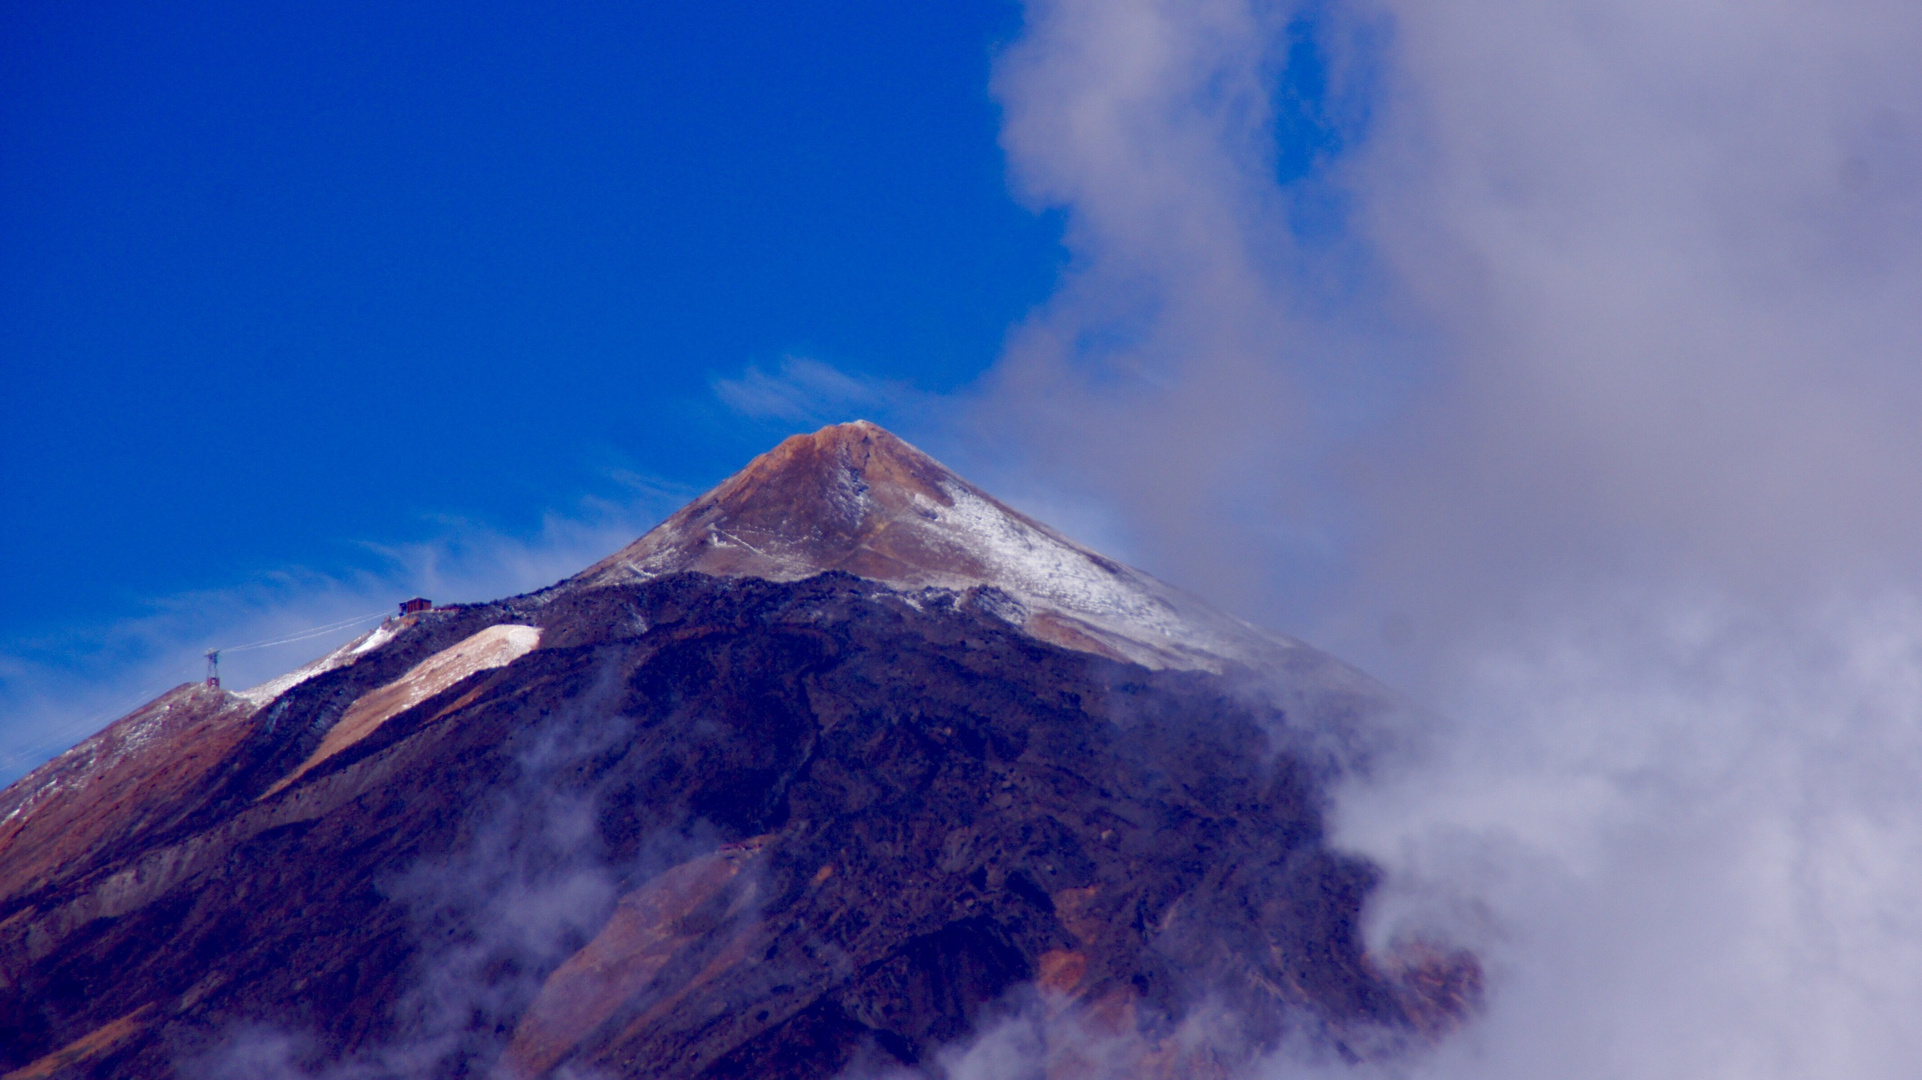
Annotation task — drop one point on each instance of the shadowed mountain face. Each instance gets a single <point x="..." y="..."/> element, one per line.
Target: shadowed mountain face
<point x="812" y="800"/>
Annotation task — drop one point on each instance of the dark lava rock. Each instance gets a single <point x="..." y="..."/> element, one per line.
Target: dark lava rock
<point x="719" y="807"/>
<point x="722" y="827"/>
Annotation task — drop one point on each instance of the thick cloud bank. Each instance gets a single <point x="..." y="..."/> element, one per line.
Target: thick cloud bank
<point x="1687" y="842"/>
<point x="1569" y="379"/>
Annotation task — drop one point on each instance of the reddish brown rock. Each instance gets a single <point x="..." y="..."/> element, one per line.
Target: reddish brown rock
<point x="723" y="821"/>
<point x="142" y="774"/>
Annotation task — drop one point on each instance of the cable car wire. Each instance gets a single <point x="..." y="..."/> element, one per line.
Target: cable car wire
<point x="305" y="634"/>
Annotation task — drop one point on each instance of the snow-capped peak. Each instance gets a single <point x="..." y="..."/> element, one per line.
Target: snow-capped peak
<point x="856" y="498"/>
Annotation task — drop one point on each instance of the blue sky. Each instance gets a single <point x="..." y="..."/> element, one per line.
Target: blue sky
<point x="304" y="305"/>
<point x="276" y="280"/>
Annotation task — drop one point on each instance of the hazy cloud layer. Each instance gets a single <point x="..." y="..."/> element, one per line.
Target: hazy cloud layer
<point x="532" y="882"/>
<point x="58" y="689"/>
<point x="807" y="392"/>
<point x="1576" y="393"/>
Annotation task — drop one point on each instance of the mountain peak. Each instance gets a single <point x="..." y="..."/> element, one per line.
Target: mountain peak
<point x="805" y="468"/>
<point x="850" y="497"/>
<point x="856" y="498"/>
<point x="703" y="830"/>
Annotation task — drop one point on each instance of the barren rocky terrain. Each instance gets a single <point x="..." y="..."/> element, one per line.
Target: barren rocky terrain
<point x="678" y="822"/>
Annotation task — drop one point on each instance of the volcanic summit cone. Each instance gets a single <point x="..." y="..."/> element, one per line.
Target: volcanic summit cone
<point x="846" y="766"/>
<point x="855" y="498"/>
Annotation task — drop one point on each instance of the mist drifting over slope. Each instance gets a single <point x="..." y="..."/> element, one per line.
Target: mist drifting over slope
<point x="1571" y="384"/>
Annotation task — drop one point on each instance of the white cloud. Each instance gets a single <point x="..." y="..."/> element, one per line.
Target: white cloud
<point x="1594" y="428"/>
<point x="58" y="689"/>
<point x="1672" y="309"/>
<point x="1686" y="847"/>
<point x="807" y="391"/>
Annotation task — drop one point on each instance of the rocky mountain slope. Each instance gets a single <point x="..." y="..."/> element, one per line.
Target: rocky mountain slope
<point x="843" y="767"/>
<point x="857" y="499"/>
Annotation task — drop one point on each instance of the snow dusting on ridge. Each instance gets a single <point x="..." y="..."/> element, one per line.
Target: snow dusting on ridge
<point x="854" y="498"/>
<point x="496" y="646"/>
<point x="266" y="692"/>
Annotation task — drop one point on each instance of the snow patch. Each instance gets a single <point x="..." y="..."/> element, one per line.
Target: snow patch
<point x="1132" y="614"/>
<point x="260" y="696"/>
<point x="382" y="635"/>
<point x="496" y="646"/>
<point x="887" y="512"/>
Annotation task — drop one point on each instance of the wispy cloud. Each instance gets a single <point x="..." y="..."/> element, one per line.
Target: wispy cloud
<point x="804" y="391"/>
<point x="58" y="688"/>
<point x="1188" y="370"/>
<point x="532" y="881"/>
